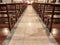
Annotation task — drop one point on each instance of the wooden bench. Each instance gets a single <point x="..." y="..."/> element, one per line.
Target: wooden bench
<point x="51" y="12"/>
<point x="4" y="17"/>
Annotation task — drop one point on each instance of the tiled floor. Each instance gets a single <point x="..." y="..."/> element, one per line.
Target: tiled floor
<point x="30" y="30"/>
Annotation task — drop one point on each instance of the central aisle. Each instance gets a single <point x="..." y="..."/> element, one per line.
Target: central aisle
<point x="30" y="30"/>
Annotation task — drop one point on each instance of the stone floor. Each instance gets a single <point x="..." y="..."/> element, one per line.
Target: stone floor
<point x="30" y="30"/>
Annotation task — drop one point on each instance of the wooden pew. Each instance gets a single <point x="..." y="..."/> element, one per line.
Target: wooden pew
<point x="12" y="12"/>
<point x="49" y="13"/>
<point x="22" y="7"/>
<point x="4" y="17"/>
<point x="52" y="13"/>
<point x="38" y="8"/>
<point x="9" y="13"/>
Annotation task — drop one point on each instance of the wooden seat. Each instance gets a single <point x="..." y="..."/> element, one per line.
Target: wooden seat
<point x="20" y="7"/>
<point x="8" y="15"/>
<point x="4" y="17"/>
<point x="11" y="7"/>
<point x="36" y="6"/>
<point x="48" y="14"/>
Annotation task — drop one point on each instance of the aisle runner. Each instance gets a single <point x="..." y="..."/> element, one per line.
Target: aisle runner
<point x="30" y="30"/>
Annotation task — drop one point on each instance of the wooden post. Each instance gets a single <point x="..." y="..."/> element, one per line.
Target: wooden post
<point x="52" y="18"/>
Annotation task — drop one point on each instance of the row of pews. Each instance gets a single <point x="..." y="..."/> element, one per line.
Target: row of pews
<point x="49" y="13"/>
<point x="10" y="13"/>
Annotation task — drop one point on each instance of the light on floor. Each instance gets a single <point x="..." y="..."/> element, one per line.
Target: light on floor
<point x="6" y="31"/>
<point x="54" y="31"/>
<point x="29" y="24"/>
